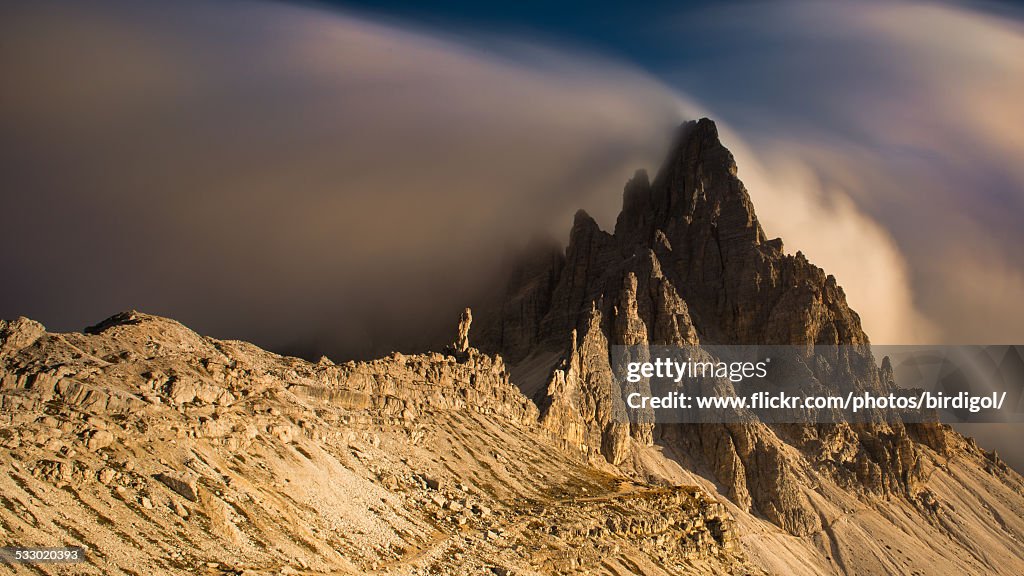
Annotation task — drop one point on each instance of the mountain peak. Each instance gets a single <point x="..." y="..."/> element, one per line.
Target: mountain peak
<point x="695" y="141"/>
<point x="688" y="264"/>
<point x="696" y="187"/>
<point x="582" y="219"/>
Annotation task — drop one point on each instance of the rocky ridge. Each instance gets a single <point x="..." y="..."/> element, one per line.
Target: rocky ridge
<point x="164" y="452"/>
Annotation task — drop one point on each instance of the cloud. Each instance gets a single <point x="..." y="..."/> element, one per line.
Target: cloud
<point x="820" y="219"/>
<point x="291" y="175"/>
<point x="902" y="115"/>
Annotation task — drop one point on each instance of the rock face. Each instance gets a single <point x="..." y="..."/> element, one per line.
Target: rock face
<point x="688" y="263"/>
<point x="19" y="334"/>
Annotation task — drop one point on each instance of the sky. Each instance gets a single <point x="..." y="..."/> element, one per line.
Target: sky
<point x="344" y="177"/>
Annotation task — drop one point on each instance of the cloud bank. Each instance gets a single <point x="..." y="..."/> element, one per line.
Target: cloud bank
<point x="291" y="175"/>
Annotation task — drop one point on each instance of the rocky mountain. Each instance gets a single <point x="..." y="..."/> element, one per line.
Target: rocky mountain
<point x="161" y="451"/>
<point x="689" y="264"/>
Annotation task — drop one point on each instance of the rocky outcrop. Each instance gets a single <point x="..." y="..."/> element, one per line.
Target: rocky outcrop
<point x="19" y="334"/>
<point x="581" y="404"/>
<point x="688" y="264"/>
<point x="462" y="339"/>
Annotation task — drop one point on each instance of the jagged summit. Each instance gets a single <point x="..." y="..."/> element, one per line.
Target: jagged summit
<point x="696" y="187"/>
<point x="692" y="232"/>
<point x="679" y="191"/>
